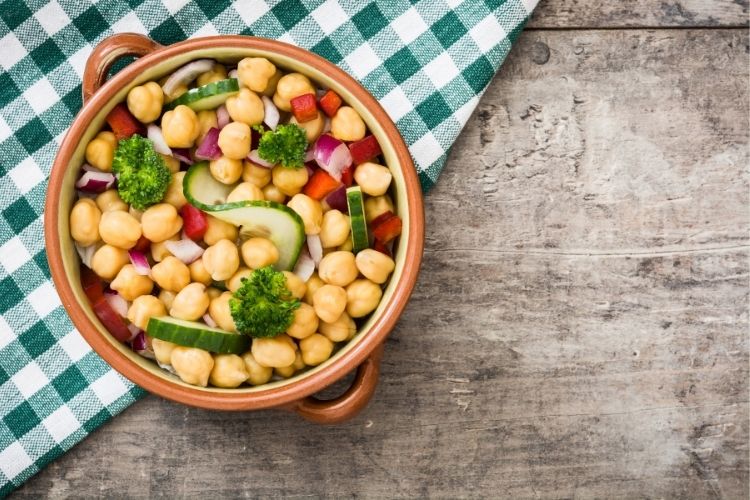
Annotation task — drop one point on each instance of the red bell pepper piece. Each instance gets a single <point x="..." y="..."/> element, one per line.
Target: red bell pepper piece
<point x="112" y="321"/>
<point x="330" y="103"/>
<point x="381" y="247"/>
<point x="92" y="284"/>
<point x="365" y="149"/>
<point x="122" y="123"/>
<point x="320" y="184"/>
<point x="142" y="245"/>
<point x="388" y="229"/>
<point x="304" y="107"/>
<point x="381" y="218"/>
<point x="194" y="222"/>
<point x="347" y="176"/>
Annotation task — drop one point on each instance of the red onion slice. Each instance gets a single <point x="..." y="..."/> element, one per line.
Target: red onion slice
<point x="86" y="254"/>
<point x="186" y="74"/>
<point x="310" y="155"/>
<point x="327" y="126"/>
<point x="233" y="74"/>
<point x="332" y="155"/>
<point x="209" y="149"/>
<point x="337" y="199"/>
<point x="186" y="250"/>
<point x="222" y="116"/>
<point x="255" y="158"/>
<point x="140" y="345"/>
<point x="209" y="320"/>
<point x="157" y="138"/>
<point x="271" y="116"/>
<point x="140" y="262"/>
<point x="315" y="248"/>
<point x="305" y="266"/>
<point x="116" y="302"/>
<point x="182" y="154"/>
<point x="95" y="182"/>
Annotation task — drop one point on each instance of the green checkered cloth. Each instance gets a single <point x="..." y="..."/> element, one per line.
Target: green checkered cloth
<point x="427" y="62"/>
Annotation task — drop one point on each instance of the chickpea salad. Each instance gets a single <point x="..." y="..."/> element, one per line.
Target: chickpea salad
<point x="234" y="224"/>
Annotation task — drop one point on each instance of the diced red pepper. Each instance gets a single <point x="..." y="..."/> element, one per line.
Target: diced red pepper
<point x="381" y="218"/>
<point x="122" y="123"/>
<point x="194" y="222"/>
<point x="381" y="247"/>
<point x="92" y="284"/>
<point x="320" y="184"/>
<point x="304" y="107"/>
<point x="330" y="103"/>
<point x="112" y="321"/>
<point x="365" y="149"/>
<point x="142" y="245"/>
<point x="388" y="229"/>
<point x="347" y="176"/>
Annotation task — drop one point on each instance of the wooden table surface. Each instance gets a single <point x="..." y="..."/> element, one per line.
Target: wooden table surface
<point x="580" y="326"/>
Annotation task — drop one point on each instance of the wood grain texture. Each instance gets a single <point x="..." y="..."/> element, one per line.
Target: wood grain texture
<point x="571" y="14"/>
<point x="580" y="328"/>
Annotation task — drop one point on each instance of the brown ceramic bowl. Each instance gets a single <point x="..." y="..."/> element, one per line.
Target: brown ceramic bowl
<point x="362" y="353"/>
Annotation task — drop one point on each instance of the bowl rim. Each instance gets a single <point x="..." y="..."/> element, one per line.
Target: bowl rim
<point x="295" y="390"/>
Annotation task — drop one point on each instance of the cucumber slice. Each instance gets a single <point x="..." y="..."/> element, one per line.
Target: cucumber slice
<point x="209" y="96"/>
<point x="199" y="335"/>
<point x="355" y="202"/>
<point x="277" y="222"/>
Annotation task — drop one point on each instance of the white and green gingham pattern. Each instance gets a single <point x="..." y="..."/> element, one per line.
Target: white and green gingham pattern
<point x="426" y="61"/>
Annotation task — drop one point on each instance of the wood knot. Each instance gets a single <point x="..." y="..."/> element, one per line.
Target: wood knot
<point x="540" y="53"/>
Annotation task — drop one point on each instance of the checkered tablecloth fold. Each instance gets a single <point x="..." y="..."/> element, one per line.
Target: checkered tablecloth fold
<point x="428" y="63"/>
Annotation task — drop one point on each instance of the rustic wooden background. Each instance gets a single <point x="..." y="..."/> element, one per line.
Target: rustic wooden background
<point x="580" y="328"/>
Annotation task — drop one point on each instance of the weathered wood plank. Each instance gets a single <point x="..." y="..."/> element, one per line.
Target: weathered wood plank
<point x="580" y="325"/>
<point x="569" y="14"/>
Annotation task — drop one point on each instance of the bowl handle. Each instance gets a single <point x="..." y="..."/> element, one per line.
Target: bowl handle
<point x="107" y="52"/>
<point x="351" y="402"/>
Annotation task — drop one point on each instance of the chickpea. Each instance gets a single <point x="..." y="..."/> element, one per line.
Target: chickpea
<point x="334" y="230"/>
<point x="286" y="371"/>
<point x="374" y="179"/>
<point x="162" y="350"/>
<point x="218" y="72"/>
<point x="221" y="260"/>
<point x="229" y="371"/>
<point x="198" y="272"/>
<point x="272" y="193"/>
<point x="175" y="195"/>
<point x="315" y="349"/>
<point x="274" y="352"/>
<point x="119" y="229"/>
<point x="145" y="101"/>
<point x="255" y="72"/>
<point x="309" y="210"/>
<point x="290" y="181"/>
<point x="313" y="128"/>
<point x="273" y="82"/>
<point x="171" y="274"/>
<point x="219" y="310"/>
<point x="346" y="246"/>
<point x="305" y="322"/>
<point x="362" y="297"/>
<point x="295" y="285"/>
<point x="255" y="174"/>
<point x="376" y="206"/>
<point x="206" y="120"/>
<point x="338" y="268"/>
<point x="257" y="374"/>
<point x="374" y="265"/>
<point x="180" y="127"/>
<point x="245" y="191"/>
<point x="192" y="365"/>
<point x="109" y="200"/>
<point x="219" y="230"/>
<point x="290" y="86"/>
<point x="313" y="283"/>
<point x="160" y="222"/>
<point x="234" y="141"/>
<point x="342" y="329"/>
<point x="108" y="260"/>
<point x="213" y="292"/>
<point x="159" y="251"/>
<point x="172" y="163"/>
<point x="144" y="308"/>
<point x="246" y="107"/>
<point x="259" y="252"/>
<point x="347" y="125"/>
<point x="167" y="298"/>
<point x="130" y="285"/>
<point x="101" y="151"/>
<point x="329" y="302"/>
<point x="235" y="282"/>
<point x="190" y="303"/>
<point x="225" y="170"/>
<point x="85" y="222"/>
